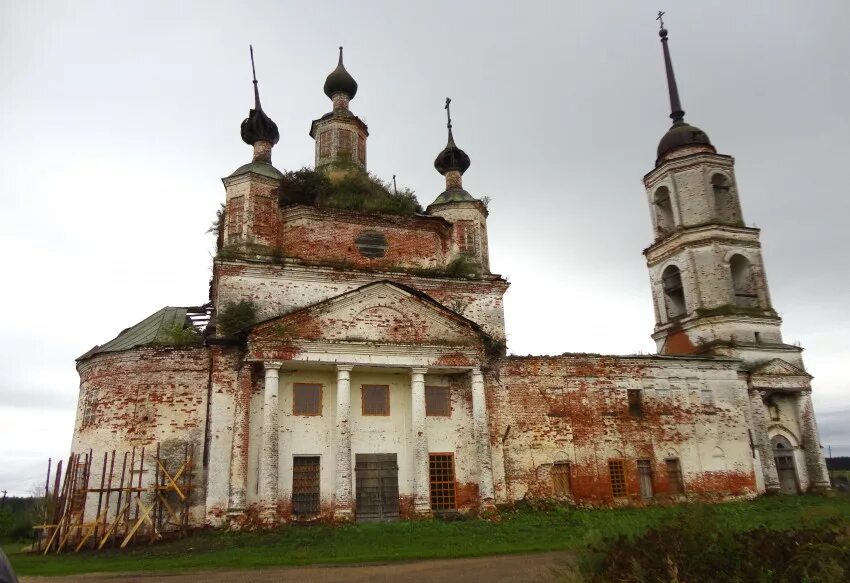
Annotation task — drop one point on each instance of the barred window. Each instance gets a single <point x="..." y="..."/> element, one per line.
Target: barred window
<point x="376" y="399"/>
<point x="325" y="144"/>
<point x="306" y="399"/>
<point x="467" y="237"/>
<point x="561" y="479"/>
<point x="618" y="478"/>
<point x="438" y="402"/>
<point x="442" y="471"/>
<point x="235" y="213"/>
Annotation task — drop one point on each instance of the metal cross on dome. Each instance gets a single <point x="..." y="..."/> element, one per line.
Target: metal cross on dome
<point x="660" y="18"/>
<point x="448" y="112"/>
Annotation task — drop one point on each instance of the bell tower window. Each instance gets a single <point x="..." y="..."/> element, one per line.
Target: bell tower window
<point x="663" y="211"/>
<point x="743" y="282"/>
<point x="725" y="205"/>
<point x="674" y="292"/>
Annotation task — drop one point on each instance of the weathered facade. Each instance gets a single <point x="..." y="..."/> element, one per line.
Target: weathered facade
<point x="367" y="377"/>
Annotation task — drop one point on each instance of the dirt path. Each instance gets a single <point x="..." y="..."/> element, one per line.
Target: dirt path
<point x="537" y="568"/>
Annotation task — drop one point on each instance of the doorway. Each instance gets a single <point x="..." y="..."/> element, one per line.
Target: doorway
<point x="783" y="457"/>
<point x="305" y="486"/>
<point x="377" y="486"/>
<point x="644" y="468"/>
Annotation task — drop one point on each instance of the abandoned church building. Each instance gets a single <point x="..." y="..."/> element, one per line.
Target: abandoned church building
<point x="351" y="361"/>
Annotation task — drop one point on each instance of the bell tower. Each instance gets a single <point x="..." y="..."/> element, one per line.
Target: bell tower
<point x="705" y="265"/>
<point x="710" y="294"/>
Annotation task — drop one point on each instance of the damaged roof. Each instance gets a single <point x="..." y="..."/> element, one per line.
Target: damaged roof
<point x="149" y="330"/>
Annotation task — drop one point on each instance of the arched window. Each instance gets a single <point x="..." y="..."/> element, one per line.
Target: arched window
<point x="725" y="204"/>
<point x="743" y="282"/>
<point x="674" y="293"/>
<point x="663" y="210"/>
<point x="781" y="445"/>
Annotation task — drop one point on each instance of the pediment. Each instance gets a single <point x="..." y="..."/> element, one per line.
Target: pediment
<point x="381" y="312"/>
<point x="779" y="367"/>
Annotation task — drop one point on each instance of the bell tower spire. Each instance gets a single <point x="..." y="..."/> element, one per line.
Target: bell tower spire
<point x="676" y="112"/>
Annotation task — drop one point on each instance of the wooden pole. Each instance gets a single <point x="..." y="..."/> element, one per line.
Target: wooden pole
<point x="118" y="507"/>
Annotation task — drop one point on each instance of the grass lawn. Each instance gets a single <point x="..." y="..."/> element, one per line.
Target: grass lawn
<point x="519" y="531"/>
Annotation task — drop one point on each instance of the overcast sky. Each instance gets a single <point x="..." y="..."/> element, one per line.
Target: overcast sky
<point x="119" y="119"/>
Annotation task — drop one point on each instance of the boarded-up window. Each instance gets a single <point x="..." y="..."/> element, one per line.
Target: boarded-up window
<point x="325" y="144"/>
<point x="635" y="402"/>
<point x="376" y="399"/>
<point x="371" y="244"/>
<point x="346" y="142"/>
<point x="235" y="214"/>
<point x="617" y="472"/>
<point x="361" y="148"/>
<point x="306" y="399"/>
<point x="675" y="484"/>
<point x="442" y="470"/>
<point x="561" y="479"/>
<point x="706" y="397"/>
<point x="644" y="468"/>
<point x="305" y="486"/>
<point x="89" y="415"/>
<point x="438" y="402"/>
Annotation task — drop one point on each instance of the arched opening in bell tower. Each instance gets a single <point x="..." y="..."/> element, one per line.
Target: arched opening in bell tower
<point x="674" y="292"/>
<point x="663" y="210"/>
<point x="725" y="205"/>
<point x="743" y="282"/>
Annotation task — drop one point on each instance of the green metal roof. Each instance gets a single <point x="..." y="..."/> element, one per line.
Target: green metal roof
<point x="143" y="333"/>
<point x="453" y="195"/>
<point x="261" y="168"/>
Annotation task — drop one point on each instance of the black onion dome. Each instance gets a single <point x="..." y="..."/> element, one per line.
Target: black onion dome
<point x="258" y="126"/>
<point x="680" y="135"/>
<point x="451" y="158"/>
<point x="340" y="81"/>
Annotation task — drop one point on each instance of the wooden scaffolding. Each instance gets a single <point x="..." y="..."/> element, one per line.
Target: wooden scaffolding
<point x="149" y="499"/>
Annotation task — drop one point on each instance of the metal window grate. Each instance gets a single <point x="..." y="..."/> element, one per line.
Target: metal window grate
<point x="618" y="478"/>
<point x="376" y="399"/>
<point x="675" y="484"/>
<point x="442" y="469"/>
<point x="438" y="402"/>
<point x="561" y="479"/>
<point x="306" y="399"/>
<point x="305" y="486"/>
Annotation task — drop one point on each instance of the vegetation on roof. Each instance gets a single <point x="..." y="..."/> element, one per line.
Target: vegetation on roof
<point x="178" y="335"/>
<point x="236" y="316"/>
<point x="355" y="190"/>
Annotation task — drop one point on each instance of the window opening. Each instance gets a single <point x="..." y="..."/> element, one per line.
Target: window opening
<point x="618" y="478"/>
<point x="442" y="470"/>
<point x="235" y="213"/>
<point x="438" y="402"/>
<point x="675" y="484"/>
<point x="371" y="244"/>
<point x="306" y="399"/>
<point x="706" y="396"/>
<point x="305" y="486"/>
<point x="743" y="282"/>
<point x="376" y="399"/>
<point x="89" y="416"/>
<point x="663" y="211"/>
<point x="674" y="292"/>
<point x="361" y="148"/>
<point x="725" y="205"/>
<point x="346" y="143"/>
<point x="635" y="402"/>
<point x="561" y="479"/>
<point x="467" y="237"/>
<point x="644" y="468"/>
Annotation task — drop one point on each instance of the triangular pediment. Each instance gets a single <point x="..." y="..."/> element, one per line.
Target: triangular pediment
<point x="779" y="367"/>
<point x="382" y="312"/>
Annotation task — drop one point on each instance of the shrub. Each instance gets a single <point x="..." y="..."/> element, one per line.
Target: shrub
<point x="463" y="266"/>
<point x="356" y="190"/>
<point x="235" y="317"/>
<point x="178" y="335"/>
<point x="694" y="547"/>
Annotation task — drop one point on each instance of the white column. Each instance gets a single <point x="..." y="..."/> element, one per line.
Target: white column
<point x="343" y="504"/>
<point x="269" y="440"/>
<point x="762" y="442"/>
<point x="419" y="442"/>
<point x="815" y="462"/>
<point x="481" y="433"/>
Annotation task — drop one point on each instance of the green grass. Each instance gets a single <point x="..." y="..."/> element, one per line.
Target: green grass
<point x="519" y="531"/>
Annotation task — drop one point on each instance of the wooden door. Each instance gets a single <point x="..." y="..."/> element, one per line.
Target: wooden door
<point x="645" y="478"/>
<point x="787" y="474"/>
<point x="377" y="486"/>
